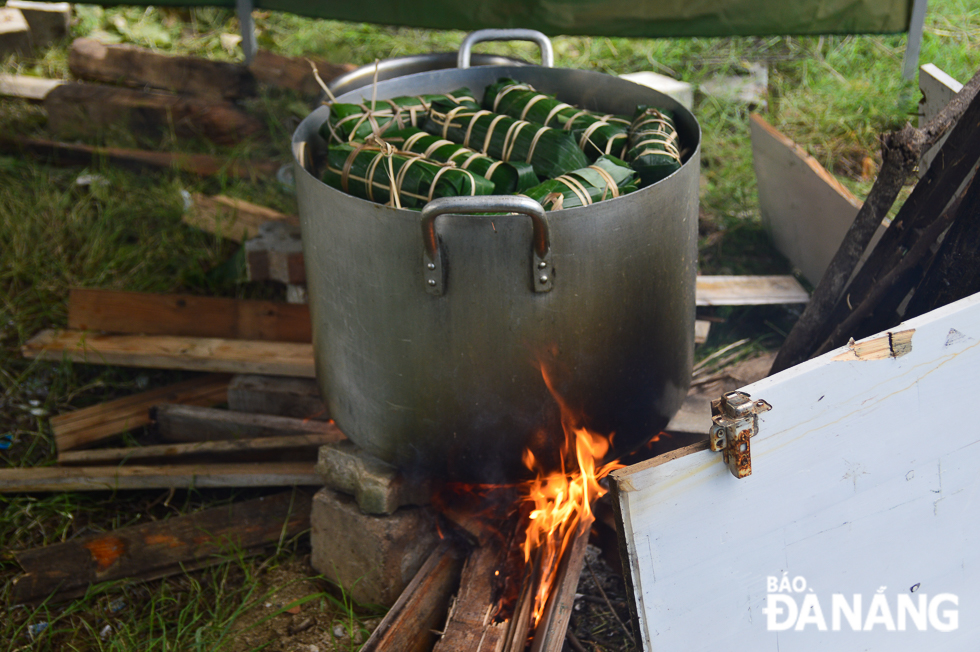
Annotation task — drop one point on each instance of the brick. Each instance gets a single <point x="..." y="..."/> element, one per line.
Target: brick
<point x="377" y="486"/>
<point x="372" y="557"/>
<point x="15" y="35"/>
<point x="276" y="254"/>
<point x="48" y="21"/>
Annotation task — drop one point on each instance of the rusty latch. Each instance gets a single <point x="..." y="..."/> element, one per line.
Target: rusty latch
<point x="736" y="420"/>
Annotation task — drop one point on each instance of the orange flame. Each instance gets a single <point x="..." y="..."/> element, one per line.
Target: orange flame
<point x="561" y="499"/>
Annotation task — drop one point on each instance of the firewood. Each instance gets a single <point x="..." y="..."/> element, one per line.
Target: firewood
<point x="112" y="311"/>
<point x="114" y="478"/>
<point x="276" y="254"/>
<point x="471" y="623"/>
<point x="48" y="21"/>
<point x="549" y="636"/>
<point x="99" y="422"/>
<point x="901" y="152"/>
<point x="15" y="35"/>
<point x="410" y="624"/>
<point x="234" y="219"/>
<point x="294" y="73"/>
<point x="60" y="153"/>
<point x="170" y="352"/>
<point x="286" y="448"/>
<point x="88" y="110"/>
<point x="138" y="67"/>
<point x="187" y="423"/>
<point x="28" y="88"/>
<point x="278" y="396"/>
<point x="159" y="548"/>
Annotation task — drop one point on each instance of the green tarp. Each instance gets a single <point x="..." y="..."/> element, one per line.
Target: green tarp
<point x="637" y="18"/>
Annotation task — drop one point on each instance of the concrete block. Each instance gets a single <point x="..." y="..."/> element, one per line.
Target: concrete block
<point x="15" y="35"/>
<point x="48" y="21"/>
<point x="680" y="91"/>
<point x="276" y="254"/>
<point x="372" y="557"/>
<point x="377" y="486"/>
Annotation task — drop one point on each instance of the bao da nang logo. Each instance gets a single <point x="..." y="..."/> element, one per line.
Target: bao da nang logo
<point x="791" y="606"/>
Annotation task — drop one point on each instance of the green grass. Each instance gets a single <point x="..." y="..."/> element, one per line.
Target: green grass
<point x="833" y="95"/>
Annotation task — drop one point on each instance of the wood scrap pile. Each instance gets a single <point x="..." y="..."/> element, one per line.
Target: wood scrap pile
<point x="926" y="258"/>
<point x="121" y="87"/>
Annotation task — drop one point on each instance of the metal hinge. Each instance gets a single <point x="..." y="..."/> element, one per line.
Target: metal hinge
<point x="736" y="420"/>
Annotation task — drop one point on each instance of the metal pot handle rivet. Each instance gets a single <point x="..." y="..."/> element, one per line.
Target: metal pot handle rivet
<point x="435" y="270"/>
<point x="481" y="35"/>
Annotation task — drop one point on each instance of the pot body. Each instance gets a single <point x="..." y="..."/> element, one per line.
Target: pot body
<point x="454" y="385"/>
<point x="410" y="65"/>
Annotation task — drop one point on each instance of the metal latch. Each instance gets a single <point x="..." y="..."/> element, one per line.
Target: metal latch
<point x="736" y="420"/>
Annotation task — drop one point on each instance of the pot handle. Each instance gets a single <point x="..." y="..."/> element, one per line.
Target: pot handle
<point x="435" y="268"/>
<point x="481" y="35"/>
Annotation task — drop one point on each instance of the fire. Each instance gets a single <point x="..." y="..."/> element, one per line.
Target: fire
<point x="562" y="499"/>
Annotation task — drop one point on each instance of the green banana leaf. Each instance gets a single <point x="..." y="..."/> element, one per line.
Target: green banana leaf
<point x="654" y="145"/>
<point x="607" y="178"/>
<point x="551" y="152"/>
<point x="597" y="134"/>
<point x="351" y="122"/>
<point x="507" y="178"/>
<point x="372" y="172"/>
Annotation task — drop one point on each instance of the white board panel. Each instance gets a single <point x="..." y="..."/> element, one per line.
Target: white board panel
<point x="865" y="480"/>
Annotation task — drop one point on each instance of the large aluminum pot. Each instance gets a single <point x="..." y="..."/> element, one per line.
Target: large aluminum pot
<point x="416" y="63"/>
<point x="432" y="330"/>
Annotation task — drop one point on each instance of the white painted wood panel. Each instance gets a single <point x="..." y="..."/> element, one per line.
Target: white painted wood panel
<point x="866" y="476"/>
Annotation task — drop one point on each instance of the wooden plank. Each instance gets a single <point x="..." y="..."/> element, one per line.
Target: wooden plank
<point x="749" y="290"/>
<point x="28" y="88"/>
<point x="15" y="34"/>
<point x="99" y="422"/>
<point x="138" y="67"/>
<point x="863" y="483"/>
<point x="411" y="623"/>
<point x="160" y="548"/>
<point x="266" y="448"/>
<point x="190" y="423"/>
<point x="60" y="153"/>
<point x="294" y="73"/>
<point x="549" y="636"/>
<point x="113" y="478"/>
<point x="112" y="311"/>
<point x="701" y="330"/>
<point x="235" y="219"/>
<point x="277" y="396"/>
<point x="471" y="624"/>
<point x="77" y="110"/>
<point x="171" y="352"/>
<point x="804" y="208"/>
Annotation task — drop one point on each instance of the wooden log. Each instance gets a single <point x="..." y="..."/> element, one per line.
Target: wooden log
<point x="471" y="623"/>
<point x="170" y="352"/>
<point x="931" y="195"/>
<point x="294" y="73"/>
<point x="88" y="110"/>
<point x="294" y="447"/>
<point x="549" y="635"/>
<point x="60" y="153"/>
<point x="138" y="67"/>
<point x="188" y="423"/>
<point x="748" y="290"/>
<point x="28" y="88"/>
<point x="114" y="478"/>
<point x="235" y="219"/>
<point x="411" y="622"/>
<point x="48" y="21"/>
<point x="99" y="422"/>
<point x="112" y="311"/>
<point x="901" y="151"/>
<point x="278" y="396"/>
<point x="159" y="548"/>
